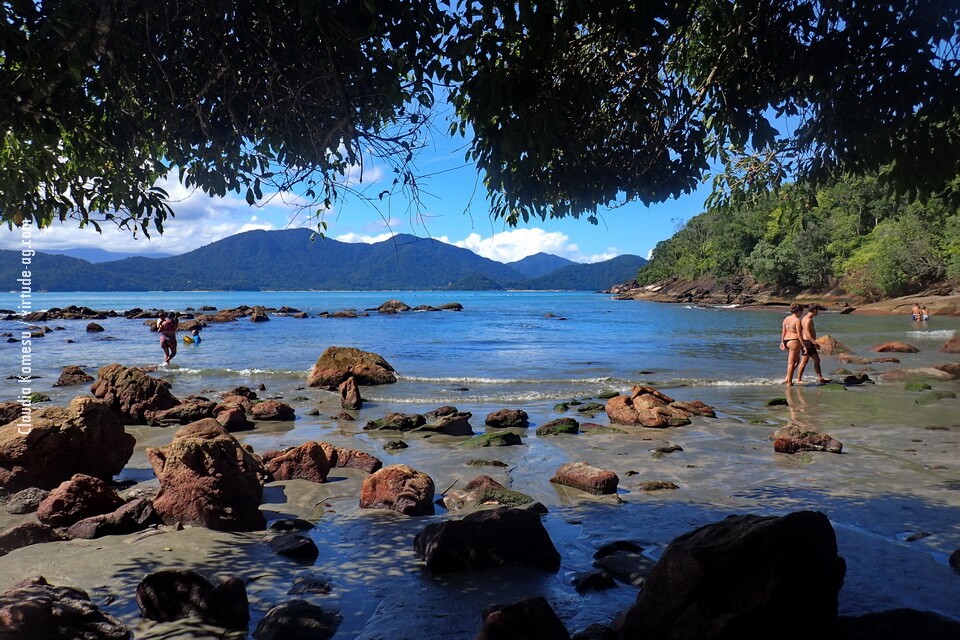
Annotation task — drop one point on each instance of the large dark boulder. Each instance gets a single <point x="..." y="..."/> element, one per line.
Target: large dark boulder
<point x="297" y="620"/>
<point x="193" y="408"/>
<point x="508" y="419"/>
<point x="898" y="624"/>
<point x="173" y="594"/>
<point x="487" y="539"/>
<point x="208" y="479"/>
<point x="336" y="364"/>
<point x="585" y="477"/>
<point x="36" y="610"/>
<point x="531" y="619"/>
<point x="73" y="375"/>
<point x="741" y="578"/>
<point x="132" y="393"/>
<point x="85" y="437"/>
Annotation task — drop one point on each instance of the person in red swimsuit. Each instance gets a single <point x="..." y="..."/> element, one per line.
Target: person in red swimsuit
<point x="167" y="328"/>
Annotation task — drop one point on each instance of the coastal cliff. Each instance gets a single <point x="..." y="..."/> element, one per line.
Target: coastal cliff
<point x="941" y="300"/>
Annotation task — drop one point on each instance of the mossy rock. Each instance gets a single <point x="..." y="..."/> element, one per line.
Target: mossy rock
<point x="603" y="429"/>
<point x="559" y="427"/>
<point x="607" y="394"/>
<point x="933" y="397"/>
<point x="575" y="403"/>
<point x="834" y="387"/>
<point x="777" y="402"/>
<point x="36" y="397"/>
<point x="479" y="462"/>
<point x="591" y="407"/>
<point x="843" y="372"/>
<point x="395" y="445"/>
<point x="561" y="407"/>
<point x="504" y="496"/>
<point x="657" y="485"/>
<point x="917" y="385"/>
<point x="495" y="439"/>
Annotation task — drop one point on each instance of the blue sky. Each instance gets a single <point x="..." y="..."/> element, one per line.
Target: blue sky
<point x="454" y="210"/>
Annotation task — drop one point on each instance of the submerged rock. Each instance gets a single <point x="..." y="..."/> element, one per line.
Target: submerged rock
<point x="896" y="346"/>
<point x="736" y="579"/>
<point x="495" y="439"/>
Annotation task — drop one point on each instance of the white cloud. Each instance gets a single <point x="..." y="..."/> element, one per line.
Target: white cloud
<point x="356" y="237"/>
<point x="516" y="244"/>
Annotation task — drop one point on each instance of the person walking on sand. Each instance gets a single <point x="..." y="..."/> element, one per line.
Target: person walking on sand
<point x="791" y="340"/>
<point x="167" y="328"/>
<point x="809" y="336"/>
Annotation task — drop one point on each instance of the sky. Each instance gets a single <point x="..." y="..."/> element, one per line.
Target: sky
<point x="454" y="210"/>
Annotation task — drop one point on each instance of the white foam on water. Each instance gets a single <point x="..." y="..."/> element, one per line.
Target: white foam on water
<point x="937" y="334"/>
<point x="477" y="380"/>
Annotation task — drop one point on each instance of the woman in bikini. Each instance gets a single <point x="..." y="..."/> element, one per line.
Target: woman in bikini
<point x="791" y="340"/>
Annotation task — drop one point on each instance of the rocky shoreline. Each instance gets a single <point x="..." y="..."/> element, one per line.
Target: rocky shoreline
<point x="942" y="300"/>
<point x="209" y="475"/>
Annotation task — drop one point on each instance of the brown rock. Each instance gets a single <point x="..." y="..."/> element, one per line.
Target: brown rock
<point x="133" y="516"/>
<point x="10" y="411"/>
<point x="829" y="346"/>
<point x="393" y="306"/>
<point x="77" y="498"/>
<point x="73" y="375"/>
<point x="694" y="407"/>
<point x="952" y="368"/>
<point x="850" y="358"/>
<point x="350" y="394"/>
<point x="306" y="462"/>
<point x="580" y="475"/>
<point x="244" y="392"/>
<point x="792" y="440"/>
<point x="336" y="364"/>
<point x="35" y="610"/>
<point x="648" y="407"/>
<point x="273" y="410"/>
<point x="896" y="347"/>
<point x="952" y="345"/>
<point x="486" y="539"/>
<point x="532" y="618"/>
<point x="351" y="458"/>
<point x="93" y="327"/>
<point x="400" y="488"/>
<point x="484" y="490"/>
<point x="26" y="534"/>
<point x="85" y="437"/>
<point x="208" y="479"/>
<point x="736" y="578"/>
<point x="237" y="400"/>
<point x="508" y="419"/>
<point x="930" y="373"/>
<point x="132" y="393"/>
<point x="233" y="418"/>
<point x="193" y="408"/>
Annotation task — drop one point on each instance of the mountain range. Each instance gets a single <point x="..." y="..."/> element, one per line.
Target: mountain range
<point x="296" y="259"/>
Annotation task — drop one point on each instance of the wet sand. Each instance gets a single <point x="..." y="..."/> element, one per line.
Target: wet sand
<point x="893" y="497"/>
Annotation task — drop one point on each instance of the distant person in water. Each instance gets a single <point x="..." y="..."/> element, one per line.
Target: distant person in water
<point x="924" y="314"/>
<point x="915" y="312"/>
<point x="195" y="334"/>
<point x="167" y="328"/>
<point x="809" y="344"/>
<point x="791" y="340"/>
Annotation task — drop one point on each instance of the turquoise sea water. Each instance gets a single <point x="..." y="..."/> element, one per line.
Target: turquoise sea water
<point x="503" y="348"/>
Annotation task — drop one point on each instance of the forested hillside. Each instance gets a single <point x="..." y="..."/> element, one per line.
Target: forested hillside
<point x="850" y="234"/>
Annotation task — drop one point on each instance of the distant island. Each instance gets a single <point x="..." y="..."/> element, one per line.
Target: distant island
<point x="293" y="259"/>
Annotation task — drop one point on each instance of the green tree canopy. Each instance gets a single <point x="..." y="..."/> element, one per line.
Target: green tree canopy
<point x="569" y="105"/>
